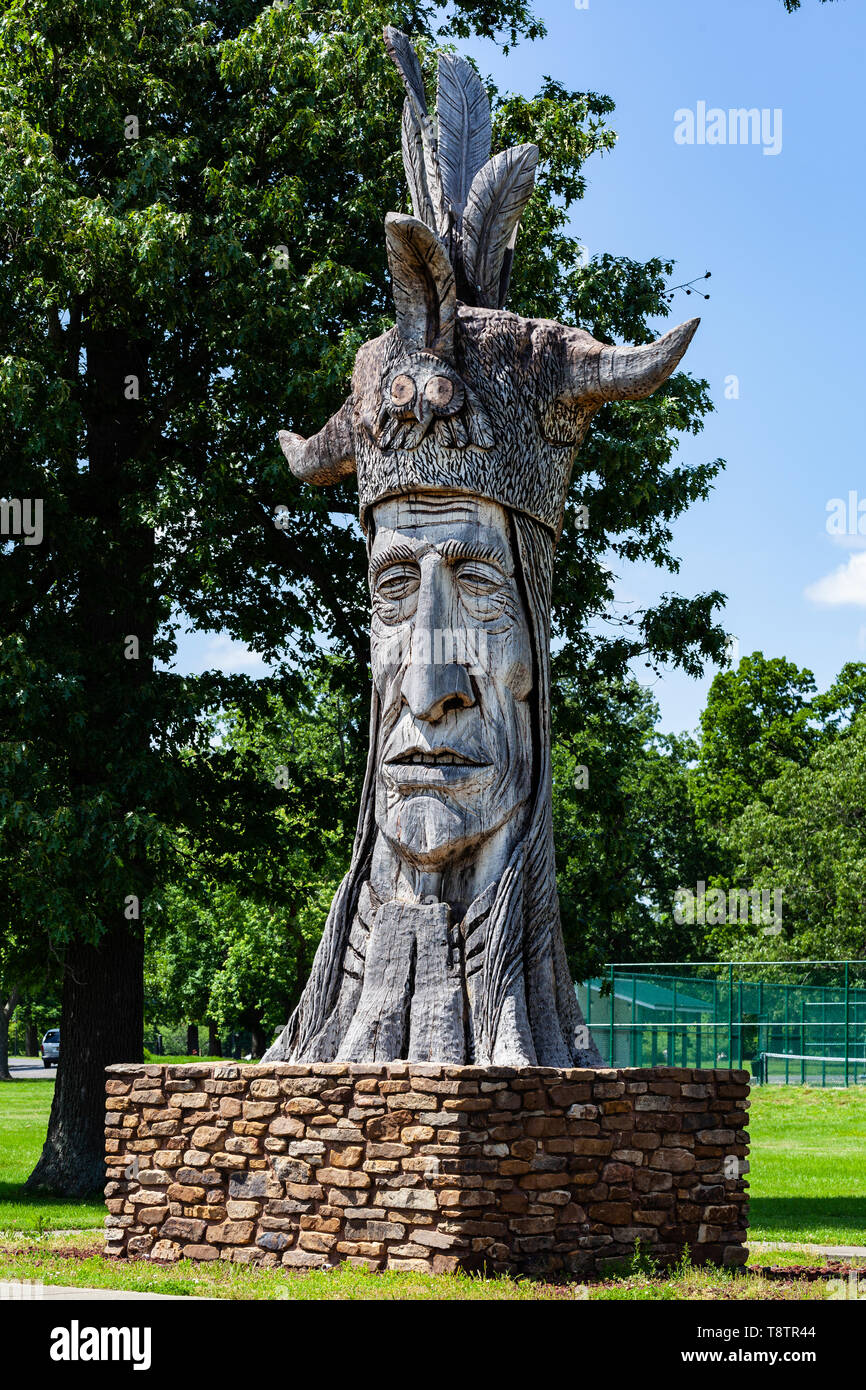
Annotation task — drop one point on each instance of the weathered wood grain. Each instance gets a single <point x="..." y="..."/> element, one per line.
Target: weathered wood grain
<point x="444" y="943"/>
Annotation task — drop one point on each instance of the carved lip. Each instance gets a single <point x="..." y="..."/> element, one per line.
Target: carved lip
<point x="444" y="756"/>
<point x="432" y="766"/>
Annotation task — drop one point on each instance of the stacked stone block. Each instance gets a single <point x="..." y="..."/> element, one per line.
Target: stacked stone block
<point x="427" y="1168"/>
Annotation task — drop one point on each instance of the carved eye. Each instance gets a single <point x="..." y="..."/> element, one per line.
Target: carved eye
<point x="444" y="395"/>
<point x="479" y="580"/>
<point x="397" y="582"/>
<point x="439" y="390"/>
<point x="402" y="390"/>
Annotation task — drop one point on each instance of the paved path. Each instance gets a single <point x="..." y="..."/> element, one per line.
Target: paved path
<point x="30" y="1069"/>
<point x="843" y="1251"/>
<point x="27" y="1291"/>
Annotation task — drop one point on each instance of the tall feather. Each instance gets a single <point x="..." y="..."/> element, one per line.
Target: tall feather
<point x="497" y="197"/>
<point x="463" y="115"/>
<point x="406" y="62"/>
<point x="414" y="167"/>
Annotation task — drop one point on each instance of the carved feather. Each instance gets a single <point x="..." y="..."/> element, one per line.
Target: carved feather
<point x="497" y="197"/>
<point x="463" y="115"/>
<point x="422" y="282"/>
<point x="406" y="61"/>
<point x="413" y="164"/>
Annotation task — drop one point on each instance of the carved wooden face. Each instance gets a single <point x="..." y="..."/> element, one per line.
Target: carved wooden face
<point x="452" y="666"/>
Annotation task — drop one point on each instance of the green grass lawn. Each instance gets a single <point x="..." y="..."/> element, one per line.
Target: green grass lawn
<point x="165" y="1058"/>
<point x="24" y="1109"/>
<point x="808" y="1184"/>
<point x="808" y="1165"/>
<point x="76" y="1261"/>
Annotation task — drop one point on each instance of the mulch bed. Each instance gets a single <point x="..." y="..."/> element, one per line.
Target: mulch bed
<point x="833" y="1269"/>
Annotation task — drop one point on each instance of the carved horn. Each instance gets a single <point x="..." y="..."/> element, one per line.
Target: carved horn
<point x="329" y="455"/>
<point x="601" y="373"/>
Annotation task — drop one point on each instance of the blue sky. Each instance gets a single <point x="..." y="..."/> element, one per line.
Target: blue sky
<point x="783" y="236"/>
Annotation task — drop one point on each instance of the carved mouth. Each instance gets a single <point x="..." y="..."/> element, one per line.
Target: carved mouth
<point x="434" y="757"/>
<point x="425" y="769"/>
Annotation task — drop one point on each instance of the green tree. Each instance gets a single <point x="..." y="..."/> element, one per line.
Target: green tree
<point x="626" y="829"/>
<point x="234" y="934"/>
<point x="192" y="197"/>
<point x="806" y="836"/>
<point x="758" y="718"/>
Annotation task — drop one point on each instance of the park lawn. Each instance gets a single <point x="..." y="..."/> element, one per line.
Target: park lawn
<point x="165" y="1060"/>
<point x="808" y="1165"/>
<point x="24" y="1109"/>
<point x="75" y="1261"/>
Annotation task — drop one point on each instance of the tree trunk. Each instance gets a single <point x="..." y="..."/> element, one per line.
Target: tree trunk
<point x="102" y="1014"/>
<point x="31" y="1038"/>
<point x="6" y="1012"/>
<point x="214" y="1046"/>
<point x="192" y="1040"/>
<point x="103" y="1002"/>
<point x="258" y="1042"/>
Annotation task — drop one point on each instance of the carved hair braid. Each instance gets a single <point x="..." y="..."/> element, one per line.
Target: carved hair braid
<point x="525" y="938"/>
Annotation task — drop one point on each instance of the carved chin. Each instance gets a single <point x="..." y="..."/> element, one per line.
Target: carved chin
<point x="429" y="831"/>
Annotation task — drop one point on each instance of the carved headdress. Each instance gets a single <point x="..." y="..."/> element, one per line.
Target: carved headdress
<point x="461" y="395"/>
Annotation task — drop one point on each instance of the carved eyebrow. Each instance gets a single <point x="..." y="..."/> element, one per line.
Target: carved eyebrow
<point x="491" y="552"/>
<point x="400" y="550"/>
<point x="452" y="549"/>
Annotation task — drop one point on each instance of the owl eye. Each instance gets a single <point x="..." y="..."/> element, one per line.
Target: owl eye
<point x="439" y="390"/>
<point x="402" y="389"/>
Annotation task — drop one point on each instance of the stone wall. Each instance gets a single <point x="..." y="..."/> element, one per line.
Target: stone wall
<point x="418" y="1167"/>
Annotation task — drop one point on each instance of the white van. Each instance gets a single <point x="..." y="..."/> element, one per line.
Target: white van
<point x="50" y="1048"/>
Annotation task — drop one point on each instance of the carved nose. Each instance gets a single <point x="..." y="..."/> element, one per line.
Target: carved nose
<point x="431" y="691"/>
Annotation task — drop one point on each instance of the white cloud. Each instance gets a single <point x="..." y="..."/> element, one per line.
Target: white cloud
<point x="847" y="584"/>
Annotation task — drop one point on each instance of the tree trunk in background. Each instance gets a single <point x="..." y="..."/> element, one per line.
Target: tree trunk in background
<point x="103" y="1002"/>
<point x="102" y="1014"/>
<point x="258" y="1042"/>
<point x="7" y="1009"/>
<point x="214" y="1046"/>
<point x="31" y="1038"/>
<point x="192" y="1040"/>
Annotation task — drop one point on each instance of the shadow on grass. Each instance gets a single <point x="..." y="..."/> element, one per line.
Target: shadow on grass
<point x="20" y="1209"/>
<point x="805" y="1214"/>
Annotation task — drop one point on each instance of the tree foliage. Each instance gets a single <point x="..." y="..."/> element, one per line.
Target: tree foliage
<point x="806" y="837"/>
<point x="233" y="255"/>
<point x="792" y="5"/>
<point x="626" y="831"/>
<point x="232" y="936"/>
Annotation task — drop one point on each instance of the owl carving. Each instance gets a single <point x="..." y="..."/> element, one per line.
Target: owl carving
<point x="422" y="393"/>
